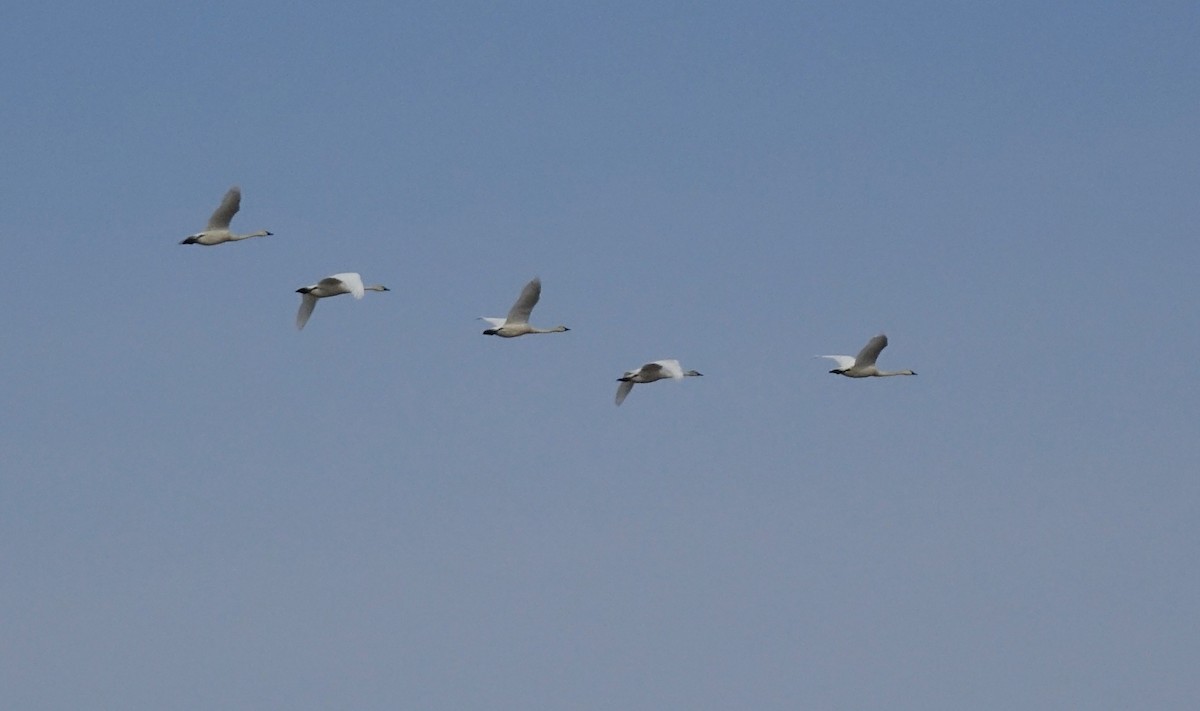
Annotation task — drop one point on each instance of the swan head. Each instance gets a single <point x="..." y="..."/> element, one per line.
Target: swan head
<point x="693" y="373"/>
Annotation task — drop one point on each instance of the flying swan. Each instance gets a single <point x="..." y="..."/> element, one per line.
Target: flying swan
<point x="650" y="372"/>
<point x="517" y="322"/>
<point x="345" y="283"/>
<point x="217" y="231"/>
<point x="863" y="364"/>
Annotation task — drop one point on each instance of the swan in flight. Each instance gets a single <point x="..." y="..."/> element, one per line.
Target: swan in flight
<point x="517" y="322"/>
<point x="345" y="283"/>
<point x="218" y="225"/>
<point x="863" y="364"/>
<point x="650" y="372"/>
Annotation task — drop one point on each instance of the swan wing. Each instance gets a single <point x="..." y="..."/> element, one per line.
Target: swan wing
<point x="667" y="368"/>
<point x="519" y="313"/>
<point x="351" y="282"/>
<point x="871" y="351"/>
<point x="307" y="304"/>
<point x="496" y="322"/>
<point x="623" y="390"/>
<point x="843" y="361"/>
<point x="226" y="210"/>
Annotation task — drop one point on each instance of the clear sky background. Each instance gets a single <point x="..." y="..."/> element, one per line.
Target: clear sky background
<point x="203" y="508"/>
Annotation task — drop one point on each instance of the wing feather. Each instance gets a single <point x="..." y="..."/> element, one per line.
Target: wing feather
<point x="871" y="351"/>
<point x="307" y="304"/>
<point x="226" y="210"/>
<point x="352" y="282"/>
<point x="670" y="368"/>
<point x="843" y="361"/>
<point x="519" y="313"/>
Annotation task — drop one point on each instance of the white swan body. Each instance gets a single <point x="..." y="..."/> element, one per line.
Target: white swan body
<point x="863" y="364"/>
<point x="217" y="231"/>
<point x="517" y="322"/>
<point x="344" y="283"/>
<point x="650" y="372"/>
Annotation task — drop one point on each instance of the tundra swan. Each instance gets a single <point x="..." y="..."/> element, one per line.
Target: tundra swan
<point x="218" y="225"/>
<point x="345" y="283"/>
<point x="648" y="373"/>
<point x="863" y="364"/>
<point x="517" y="322"/>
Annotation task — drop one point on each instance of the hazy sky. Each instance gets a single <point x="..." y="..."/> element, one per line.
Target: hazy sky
<point x="203" y="508"/>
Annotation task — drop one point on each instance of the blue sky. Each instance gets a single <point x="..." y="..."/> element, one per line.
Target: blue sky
<point x="201" y="507"/>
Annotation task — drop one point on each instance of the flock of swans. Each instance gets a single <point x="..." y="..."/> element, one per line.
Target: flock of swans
<point x="516" y="323"/>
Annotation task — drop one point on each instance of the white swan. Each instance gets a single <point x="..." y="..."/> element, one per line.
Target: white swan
<point x="217" y="231"/>
<point x="345" y="283"/>
<point x="863" y="364"/>
<point x="650" y="372"/>
<point x="517" y="322"/>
